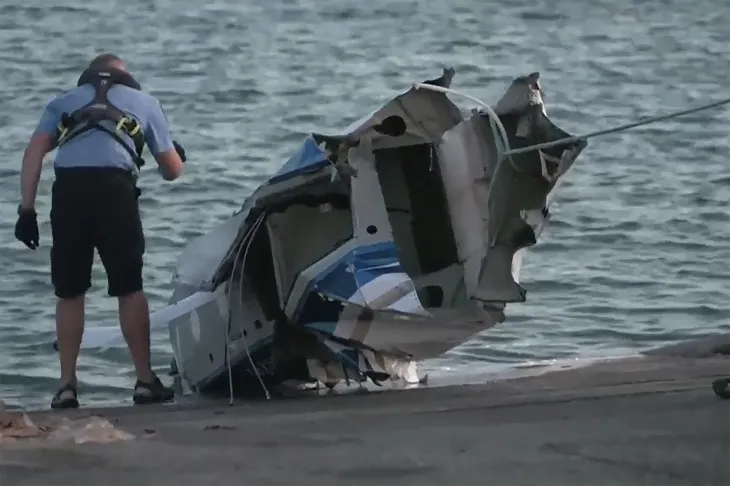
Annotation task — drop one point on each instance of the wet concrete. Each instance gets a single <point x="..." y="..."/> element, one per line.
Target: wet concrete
<point x="640" y="421"/>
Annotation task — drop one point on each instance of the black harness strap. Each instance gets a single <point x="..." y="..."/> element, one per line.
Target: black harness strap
<point x="91" y="116"/>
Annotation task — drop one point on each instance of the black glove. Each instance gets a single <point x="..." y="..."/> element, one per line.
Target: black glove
<point x="26" y="229"/>
<point x="180" y="151"/>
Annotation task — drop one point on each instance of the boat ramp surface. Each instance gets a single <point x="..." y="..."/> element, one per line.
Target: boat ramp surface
<point x="650" y="420"/>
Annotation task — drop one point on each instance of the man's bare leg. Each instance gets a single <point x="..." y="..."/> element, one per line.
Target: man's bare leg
<point x="69" y="332"/>
<point x="134" y="317"/>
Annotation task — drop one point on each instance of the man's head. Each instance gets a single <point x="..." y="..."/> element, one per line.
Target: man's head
<point x="111" y="64"/>
<point x="107" y="61"/>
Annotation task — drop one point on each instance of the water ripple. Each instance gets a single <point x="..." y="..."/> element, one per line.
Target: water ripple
<point x="637" y="250"/>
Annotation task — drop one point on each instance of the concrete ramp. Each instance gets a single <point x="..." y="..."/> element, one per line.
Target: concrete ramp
<point x="639" y="421"/>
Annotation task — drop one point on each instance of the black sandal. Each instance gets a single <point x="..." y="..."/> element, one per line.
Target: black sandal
<point x="65" y="397"/>
<point x="155" y="392"/>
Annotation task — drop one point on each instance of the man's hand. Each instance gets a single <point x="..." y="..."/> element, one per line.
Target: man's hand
<point x="180" y="151"/>
<point x="26" y="229"/>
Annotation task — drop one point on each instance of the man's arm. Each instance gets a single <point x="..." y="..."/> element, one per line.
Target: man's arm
<point x="158" y="138"/>
<point x="41" y="143"/>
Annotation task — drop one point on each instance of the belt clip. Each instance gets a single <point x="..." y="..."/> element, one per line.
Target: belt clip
<point x="62" y="132"/>
<point x="120" y="125"/>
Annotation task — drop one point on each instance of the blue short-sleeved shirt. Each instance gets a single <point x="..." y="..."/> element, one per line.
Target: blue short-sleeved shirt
<point x="96" y="148"/>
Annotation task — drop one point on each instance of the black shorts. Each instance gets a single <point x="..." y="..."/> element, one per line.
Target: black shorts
<point x="91" y="208"/>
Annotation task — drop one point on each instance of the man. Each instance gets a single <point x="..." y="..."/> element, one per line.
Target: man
<point x="100" y="128"/>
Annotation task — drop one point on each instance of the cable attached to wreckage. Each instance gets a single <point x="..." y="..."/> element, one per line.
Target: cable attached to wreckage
<point x="621" y="128"/>
<point x="245" y="241"/>
<point x="721" y="386"/>
<point x="508" y="152"/>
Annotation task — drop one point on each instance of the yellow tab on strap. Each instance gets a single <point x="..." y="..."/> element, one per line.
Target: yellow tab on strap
<point x="122" y="122"/>
<point x="63" y="131"/>
<point x="125" y="123"/>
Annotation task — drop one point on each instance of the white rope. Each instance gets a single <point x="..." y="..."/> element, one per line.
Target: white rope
<point x="229" y="285"/>
<point x="245" y="241"/>
<point x="621" y="128"/>
<point x="569" y="140"/>
<point x="258" y="224"/>
<point x="498" y="131"/>
<point x="506" y="152"/>
<point x="493" y="118"/>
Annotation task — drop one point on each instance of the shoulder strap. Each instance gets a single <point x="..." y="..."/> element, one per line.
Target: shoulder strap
<point x="100" y="109"/>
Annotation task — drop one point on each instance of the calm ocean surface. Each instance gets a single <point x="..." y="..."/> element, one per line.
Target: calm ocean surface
<point x="636" y="255"/>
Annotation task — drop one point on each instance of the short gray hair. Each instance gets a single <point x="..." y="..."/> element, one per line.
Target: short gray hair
<point x="105" y="61"/>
